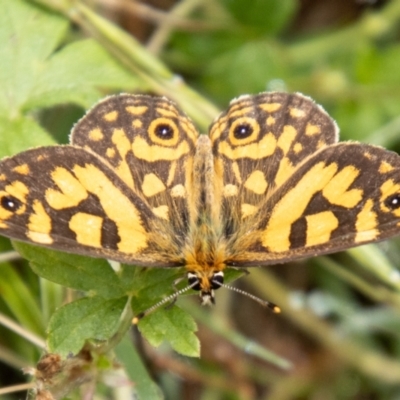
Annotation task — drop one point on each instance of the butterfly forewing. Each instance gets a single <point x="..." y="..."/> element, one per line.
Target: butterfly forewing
<point x="66" y="198"/>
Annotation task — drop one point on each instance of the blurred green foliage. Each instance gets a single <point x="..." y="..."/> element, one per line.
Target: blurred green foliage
<point x="341" y="314"/>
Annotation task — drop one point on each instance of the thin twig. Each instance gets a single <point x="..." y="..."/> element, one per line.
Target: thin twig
<point x="165" y="28"/>
<point x="13" y="326"/>
<point x="153" y="15"/>
<point x="11" y="358"/>
<point x="9" y="256"/>
<point x="17" y="388"/>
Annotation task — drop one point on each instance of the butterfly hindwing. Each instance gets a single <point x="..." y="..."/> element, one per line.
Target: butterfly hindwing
<point x="259" y="142"/>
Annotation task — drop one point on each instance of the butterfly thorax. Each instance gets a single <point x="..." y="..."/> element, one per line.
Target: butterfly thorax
<point x="205" y="262"/>
<point x="204" y="253"/>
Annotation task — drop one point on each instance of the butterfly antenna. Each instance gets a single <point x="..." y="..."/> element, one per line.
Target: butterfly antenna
<point x="272" y="306"/>
<point x="167" y="299"/>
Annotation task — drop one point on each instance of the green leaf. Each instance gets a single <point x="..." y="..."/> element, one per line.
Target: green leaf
<point x="231" y="274"/>
<point x="174" y="326"/>
<point x="144" y="386"/>
<point x="269" y="16"/>
<point x="16" y="135"/>
<point x="74" y="271"/>
<point x="28" y="36"/>
<point x="20" y="300"/>
<point x="84" y="319"/>
<point x="378" y="67"/>
<point x="33" y="74"/>
<point x="149" y="285"/>
<point x="75" y="74"/>
<point x="225" y="72"/>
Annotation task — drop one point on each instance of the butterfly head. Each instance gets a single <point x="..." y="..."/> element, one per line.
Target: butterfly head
<point x="206" y="283"/>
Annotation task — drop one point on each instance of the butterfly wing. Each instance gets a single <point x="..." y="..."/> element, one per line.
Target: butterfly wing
<point x="120" y="191"/>
<point x="345" y="195"/>
<point x="150" y="144"/>
<point x="259" y="142"/>
<point x="289" y="191"/>
<point x="66" y="198"/>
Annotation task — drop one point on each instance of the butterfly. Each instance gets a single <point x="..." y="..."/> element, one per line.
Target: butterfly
<point x="138" y="184"/>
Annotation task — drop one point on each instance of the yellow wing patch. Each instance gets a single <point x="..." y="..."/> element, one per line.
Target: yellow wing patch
<point x="39" y="226"/>
<point x="276" y="235"/>
<point x="152" y="185"/>
<point x="96" y="135"/>
<point x="264" y="148"/>
<point x="319" y="227"/>
<point x="87" y="228"/>
<point x="336" y="191"/>
<point x="367" y="223"/>
<point x="152" y="153"/>
<point x="256" y="182"/>
<point x="117" y="206"/>
<point x="70" y="193"/>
